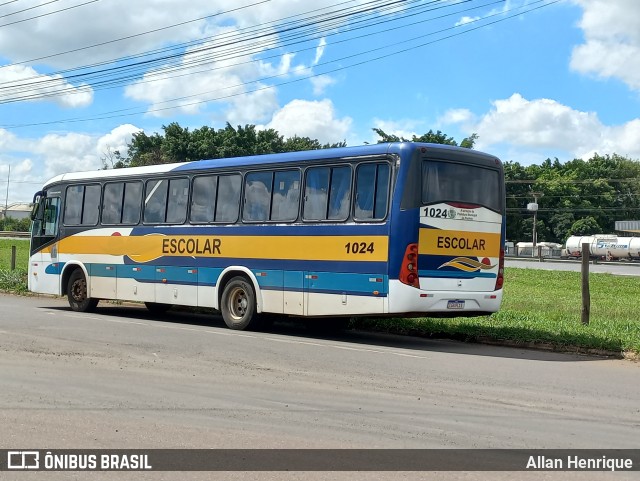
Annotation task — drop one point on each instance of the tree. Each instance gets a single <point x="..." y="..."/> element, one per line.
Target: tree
<point x="179" y="144"/>
<point x="112" y="159"/>
<point x="586" y="226"/>
<point x="430" y="137"/>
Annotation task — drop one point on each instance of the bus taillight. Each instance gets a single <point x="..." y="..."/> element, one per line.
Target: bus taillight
<point x="409" y="269"/>
<point x="500" y="278"/>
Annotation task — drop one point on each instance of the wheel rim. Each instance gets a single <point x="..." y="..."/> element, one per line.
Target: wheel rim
<point x="238" y="303"/>
<point x="79" y="290"/>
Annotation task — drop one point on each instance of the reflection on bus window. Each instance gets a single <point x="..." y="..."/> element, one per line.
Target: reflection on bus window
<point x="51" y="216"/>
<point x="463" y="183"/>
<point x="121" y="203"/>
<point x="286" y="195"/>
<point x="177" y="202"/>
<point x="155" y="203"/>
<point x="203" y="198"/>
<point x="257" y="196"/>
<point x="372" y="191"/>
<point x="132" y="198"/>
<point x="112" y="203"/>
<point x="228" y="203"/>
<point x="327" y="193"/>
<point x="82" y="204"/>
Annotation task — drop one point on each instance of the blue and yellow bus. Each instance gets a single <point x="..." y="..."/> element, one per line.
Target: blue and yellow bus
<point x="398" y="229"/>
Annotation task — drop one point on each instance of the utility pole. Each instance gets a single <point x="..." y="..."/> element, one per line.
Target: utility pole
<point x="6" y="201"/>
<point x="533" y="207"/>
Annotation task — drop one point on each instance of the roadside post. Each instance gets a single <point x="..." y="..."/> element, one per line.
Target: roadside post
<point x="586" y="298"/>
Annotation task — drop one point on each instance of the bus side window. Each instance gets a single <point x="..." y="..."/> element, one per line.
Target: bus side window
<point x="286" y="195"/>
<point x="155" y="204"/>
<point x="112" y="210"/>
<point x="91" y="204"/>
<point x="372" y="191"/>
<point x="177" y="202"/>
<point x="340" y="193"/>
<point x="132" y="198"/>
<point x="51" y="216"/>
<point x="257" y="196"/>
<point x="203" y="199"/>
<point x="228" y="203"/>
<point x="327" y="194"/>
<point x="73" y="205"/>
<point x="316" y="193"/>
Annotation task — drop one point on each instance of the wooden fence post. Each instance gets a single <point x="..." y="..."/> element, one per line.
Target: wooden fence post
<point x="13" y="258"/>
<point x="586" y="298"/>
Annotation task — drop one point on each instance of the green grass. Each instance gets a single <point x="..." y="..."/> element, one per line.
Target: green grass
<point x="14" y="281"/>
<point x="543" y="308"/>
<point x="22" y="253"/>
<point x="539" y="308"/>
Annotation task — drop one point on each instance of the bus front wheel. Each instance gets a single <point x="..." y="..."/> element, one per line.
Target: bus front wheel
<point x="77" y="293"/>
<point x="238" y="305"/>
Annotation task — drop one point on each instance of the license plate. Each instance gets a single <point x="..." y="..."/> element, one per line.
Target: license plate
<point x="455" y="304"/>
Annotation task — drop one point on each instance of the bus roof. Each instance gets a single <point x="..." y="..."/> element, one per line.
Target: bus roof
<point x="262" y="160"/>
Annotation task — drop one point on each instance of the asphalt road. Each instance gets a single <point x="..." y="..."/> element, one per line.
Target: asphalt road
<point x="617" y="268"/>
<point x="119" y="378"/>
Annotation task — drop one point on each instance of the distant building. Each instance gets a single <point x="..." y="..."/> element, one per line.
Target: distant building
<point x="19" y="210"/>
<point x="630" y="226"/>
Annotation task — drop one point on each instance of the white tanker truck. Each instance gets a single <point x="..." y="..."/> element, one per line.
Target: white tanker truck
<point x="605" y="246"/>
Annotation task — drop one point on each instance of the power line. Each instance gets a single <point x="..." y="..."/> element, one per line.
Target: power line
<point x="7" y="3"/>
<point x="129" y="37"/>
<point x="234" y="38"/>
<point x="27" y="9"/>
<point x="110" y="83"/>
<point x="121" y="112"/>
<point x="49" y="13"/>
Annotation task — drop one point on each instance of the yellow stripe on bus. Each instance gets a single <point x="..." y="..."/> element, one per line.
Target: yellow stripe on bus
<point x="457" y="243"/>
<point x="147" y="248"/>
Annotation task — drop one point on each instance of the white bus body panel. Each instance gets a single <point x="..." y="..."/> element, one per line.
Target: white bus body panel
<point x="408" y="299"/>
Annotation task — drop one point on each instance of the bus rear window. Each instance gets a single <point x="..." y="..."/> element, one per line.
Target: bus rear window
<point x="463" y="183"/>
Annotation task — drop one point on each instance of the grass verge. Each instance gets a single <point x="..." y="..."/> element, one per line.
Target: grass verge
<point x="16" y="280"/>
<point x="542" y="308"/>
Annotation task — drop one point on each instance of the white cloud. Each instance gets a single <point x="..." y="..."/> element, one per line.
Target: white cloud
<point x="320" y="50"/>
<point x="19" y="81"/>
<point x="456" y="116"/>
<point x="35" y="160"/>
<point x="550" y="127"/>
<point x="7" y="139"/>
<point x="210" y="80"/>
<point x="65" y="153"/>
<point x="117" y="139"/>
<point x="320" y="83"/>
<point x="612" y="41"/>
<point x="464" y="20"/>
<point x="314" y="119"/>
<point x="253" y="107"/>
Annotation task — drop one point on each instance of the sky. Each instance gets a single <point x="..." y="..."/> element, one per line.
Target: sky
<point x="534" y="79"/>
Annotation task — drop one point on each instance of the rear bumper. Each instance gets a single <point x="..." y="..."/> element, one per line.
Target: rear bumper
<point x="407" y="299"/>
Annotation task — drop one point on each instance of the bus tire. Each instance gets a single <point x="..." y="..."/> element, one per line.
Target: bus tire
<point x="157" y="307"/>
<point x="77" y="293"/>
<point x="238" y="305"/>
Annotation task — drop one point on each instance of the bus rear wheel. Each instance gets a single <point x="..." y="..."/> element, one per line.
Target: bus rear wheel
<point x="238" y="305"/>
<point x="77" y="293"/>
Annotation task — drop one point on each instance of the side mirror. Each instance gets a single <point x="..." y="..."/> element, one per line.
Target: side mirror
<point x="35" y="205"/>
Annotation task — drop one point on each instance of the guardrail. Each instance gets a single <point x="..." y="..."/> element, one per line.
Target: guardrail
<point x="11" y="233"/>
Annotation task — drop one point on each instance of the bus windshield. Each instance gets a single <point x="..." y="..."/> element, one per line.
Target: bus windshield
<point x="463" y="183"/>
